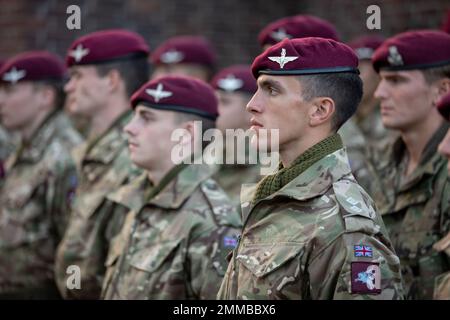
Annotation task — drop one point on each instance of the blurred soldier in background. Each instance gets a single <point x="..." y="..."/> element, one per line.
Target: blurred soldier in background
<point x="184" y="55"/>
<point x="413" y="192"/>
<point x="106" y="67"/>
<point x="234" y="87"/>
<point x="40" y="176"/>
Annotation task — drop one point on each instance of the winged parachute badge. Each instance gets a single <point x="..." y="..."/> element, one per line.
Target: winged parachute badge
<point x="283" y="59"/>
<point x="159" y="93"/>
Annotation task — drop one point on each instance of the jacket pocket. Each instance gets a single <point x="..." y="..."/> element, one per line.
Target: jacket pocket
<point x="263" y="259"/>
<point x="152" y="257"/>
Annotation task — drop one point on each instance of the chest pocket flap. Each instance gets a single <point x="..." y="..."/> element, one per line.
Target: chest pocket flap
<point x="262" y="259"/>
<point x="151" y="258"/>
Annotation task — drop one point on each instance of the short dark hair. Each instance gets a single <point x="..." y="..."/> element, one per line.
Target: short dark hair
<point x="345" y="89"/>
<point x="181" y="117"/>
<point x="433" y="74"/>
<point x="58" y="88"/>
<point x="134" y="72"/>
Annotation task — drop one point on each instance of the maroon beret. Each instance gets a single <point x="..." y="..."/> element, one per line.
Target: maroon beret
<point x="32" y="66"/>
<point x="178" y="93"/>
<point x="106" y="46"/>
<point x="411" y="50"/>
<point x="235" y="78"/>
<point x="444" y="107"/>
<point x="306" y="56"/>
<point x="446" y="25"/>
<point x="299" y="26"/>
<point x="185" y="49"/>
<point x="365" y="46"/>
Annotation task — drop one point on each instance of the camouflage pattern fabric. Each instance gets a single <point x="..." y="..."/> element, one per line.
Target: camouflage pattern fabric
<point x="319" y="237"/>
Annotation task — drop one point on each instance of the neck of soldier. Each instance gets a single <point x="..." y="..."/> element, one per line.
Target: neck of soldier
<point x="105" y="117"/>
<point x="365" y="108"/>
<point x="156" y="173"/>
<point x="29" y="131"/>
<point x="295" y="148"/>
<point x="416" y="139"/>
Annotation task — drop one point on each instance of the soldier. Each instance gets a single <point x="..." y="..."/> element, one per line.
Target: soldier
<point x="413" y="186"/>
<point x="303" y="26"/>
<point x="367" y="116"/>
<point x="7" y="140"/>
<point x="442" y="283"/>
<point x="180" y="224"/>
<point x="191" y="56"/>
<point x="234" y="86"/>
<point x="106" y="67"/>
<point x="40" y="176"/>
<point x="299" y="26"/>
<point x="310" y="231"/>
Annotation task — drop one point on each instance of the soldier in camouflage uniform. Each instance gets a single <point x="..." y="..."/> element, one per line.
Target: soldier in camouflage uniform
<point x="40" y="176"/>
<point x="303" y="26"/>
<point x="191" y="56"/>
<point x="234" y="87"/>
<point x="442" y="283"/>
<point x="414" y="190"/>
<point x="310" y="231"/>
<point x="180" y="225"/>
<point x="106" y="68"/>
<point x="367" y="116"/>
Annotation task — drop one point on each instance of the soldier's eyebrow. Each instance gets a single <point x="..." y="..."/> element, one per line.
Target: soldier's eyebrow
<point x="269" y="83"/>
<point x="145" y="112"/>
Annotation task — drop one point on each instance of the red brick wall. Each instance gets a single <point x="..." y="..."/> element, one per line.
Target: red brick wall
<point x="232" y="25"/>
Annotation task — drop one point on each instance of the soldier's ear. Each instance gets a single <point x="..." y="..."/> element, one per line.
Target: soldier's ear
<point x="442" y="89"/>
<point x="115" y="81"/>
<point x="321" y="111"/>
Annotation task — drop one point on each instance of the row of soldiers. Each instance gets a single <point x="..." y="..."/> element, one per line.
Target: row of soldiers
<point x="113" y="204"/>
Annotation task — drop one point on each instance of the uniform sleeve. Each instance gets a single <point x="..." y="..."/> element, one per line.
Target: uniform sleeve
<point x="442" y="281"/>
<point x="207" y="260"/>
<point x="86" y="244"/>
<point x="356" y="266"/>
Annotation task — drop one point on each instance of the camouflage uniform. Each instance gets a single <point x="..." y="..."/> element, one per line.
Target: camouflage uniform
<point x="35" y="198"/>
<point x="355" y="144"/>
<point x="103" y="166"/>
<point x="442" y="283"/>
<point x="174" y="245"/>
<point x="231" y="177"/>
<point x="300" y="242"/>
<point x="416" y="212"/>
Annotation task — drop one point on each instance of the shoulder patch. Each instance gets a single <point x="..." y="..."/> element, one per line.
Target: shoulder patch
<point x="366" y="278"/>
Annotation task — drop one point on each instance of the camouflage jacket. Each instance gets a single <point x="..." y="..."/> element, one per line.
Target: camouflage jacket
<point x="355" y="145"/>
<point x="318" y="237"/>
<point x="35" y="198"/>
<point x="8" y="143"/>
<point x="442" y="283"/>
<point x="416" y="212"/>
<point x="372" y="127"/>
<point x="174" y="245"/>
<point x="232" y="177"/>
<point x="103" y="166"/>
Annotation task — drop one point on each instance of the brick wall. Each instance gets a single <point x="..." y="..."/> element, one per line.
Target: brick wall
<point x="232" y="25"/>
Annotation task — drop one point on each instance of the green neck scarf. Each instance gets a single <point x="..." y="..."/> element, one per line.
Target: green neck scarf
<point x="272" y="183"/>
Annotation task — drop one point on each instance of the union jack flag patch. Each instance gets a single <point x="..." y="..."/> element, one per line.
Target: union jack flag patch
<point x="229" y="242"/>
<point x="363" y="251"/>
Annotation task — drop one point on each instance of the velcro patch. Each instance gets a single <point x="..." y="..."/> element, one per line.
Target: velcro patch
<point x="366" y="278"/>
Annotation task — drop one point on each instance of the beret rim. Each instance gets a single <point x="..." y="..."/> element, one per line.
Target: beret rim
<point x="127" y="57"/>
<point x="177" y="108"/>
<point x="412" y="67"/>
<point x="310" y="71"/>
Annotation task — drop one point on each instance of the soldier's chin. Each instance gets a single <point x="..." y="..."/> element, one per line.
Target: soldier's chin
<point x="260" y="143"/>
